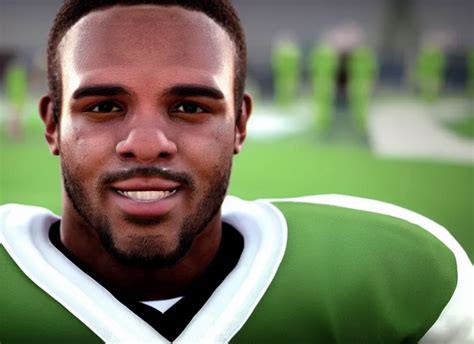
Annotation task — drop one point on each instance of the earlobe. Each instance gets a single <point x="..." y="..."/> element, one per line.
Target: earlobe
<point x="241" y="123"/>
<point x="51" y="131"/>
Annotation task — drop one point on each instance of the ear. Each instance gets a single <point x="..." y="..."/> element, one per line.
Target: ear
<point x="241" y="123"/>
<point x="51" y="131"/>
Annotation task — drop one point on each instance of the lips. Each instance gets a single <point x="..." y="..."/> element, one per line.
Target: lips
<point x="146" y="196"/>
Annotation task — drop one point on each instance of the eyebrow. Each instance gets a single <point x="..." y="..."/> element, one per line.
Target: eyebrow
<point x="99" y="90"/>
<point x="191" y="90"/>
<point x="184" y="90"/>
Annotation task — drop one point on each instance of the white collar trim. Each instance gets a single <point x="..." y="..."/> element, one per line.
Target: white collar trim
<point x="264" y="230"/>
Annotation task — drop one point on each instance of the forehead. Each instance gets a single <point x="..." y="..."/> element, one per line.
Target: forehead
<point x="148" y="38"/>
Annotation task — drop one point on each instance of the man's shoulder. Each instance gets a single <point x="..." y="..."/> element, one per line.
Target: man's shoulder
<point x="355" y="214"/>
<point x="352" y="229"/>
<point x="362" y="264"/>
<point x="342" y="216"/>
<point x="344" y="233"/>
<point x="28" y="308"/>
<point x="352" y="232"/>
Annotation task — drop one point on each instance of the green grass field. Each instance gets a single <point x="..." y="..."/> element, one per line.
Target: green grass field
<point x="288" y="167"/>
<point x="464" y="127"/>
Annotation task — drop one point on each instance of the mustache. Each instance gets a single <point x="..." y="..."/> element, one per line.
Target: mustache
<point x="148" y="171"/>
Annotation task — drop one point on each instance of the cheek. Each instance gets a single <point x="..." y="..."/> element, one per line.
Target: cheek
<point x="212" y="151"/>
<point x="81" y="149"/>
<point x="70" y="141"/>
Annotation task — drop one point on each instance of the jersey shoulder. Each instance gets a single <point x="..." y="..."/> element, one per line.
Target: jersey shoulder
<point x="26" y="308"/>
<point x="357" y="269"/>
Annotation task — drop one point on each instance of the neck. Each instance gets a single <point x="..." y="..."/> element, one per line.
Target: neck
<point x="137" y="282"/>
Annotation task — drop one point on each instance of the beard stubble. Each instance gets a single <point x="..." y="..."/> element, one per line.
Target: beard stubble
<point x="144" y="251"/>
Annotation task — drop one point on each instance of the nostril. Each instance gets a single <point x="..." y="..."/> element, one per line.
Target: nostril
<point x="164" y="155"/>
<point x="146" y="145"/>
<point x="128" y="155"/>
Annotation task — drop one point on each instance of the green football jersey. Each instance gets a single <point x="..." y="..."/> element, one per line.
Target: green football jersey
<point x="329" y="269"/>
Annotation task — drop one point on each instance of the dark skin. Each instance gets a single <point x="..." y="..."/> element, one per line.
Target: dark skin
<point x="145" y="86"/>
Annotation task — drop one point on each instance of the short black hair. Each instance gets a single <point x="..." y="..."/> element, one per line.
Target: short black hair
<point x="221" y="11"/>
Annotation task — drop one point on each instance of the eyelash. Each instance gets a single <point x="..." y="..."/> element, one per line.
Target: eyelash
<point x="111" y="103"/>
<point x="199" y="109"/>
<point x="116" y="108"/>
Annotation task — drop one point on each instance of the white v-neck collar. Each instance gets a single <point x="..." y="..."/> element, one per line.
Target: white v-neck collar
<point x="25" y="236"/>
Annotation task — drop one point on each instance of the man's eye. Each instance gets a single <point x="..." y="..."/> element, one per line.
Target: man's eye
<point x="105" y="107"/>
<point x="188" y="108"/>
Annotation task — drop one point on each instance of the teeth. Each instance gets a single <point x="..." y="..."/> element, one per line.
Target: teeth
<point x="146" y="196"/>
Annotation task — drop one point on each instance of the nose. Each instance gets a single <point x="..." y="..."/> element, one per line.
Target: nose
<point x="146" y="144"/>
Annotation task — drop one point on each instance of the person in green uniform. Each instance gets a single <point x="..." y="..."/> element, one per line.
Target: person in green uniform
<point x="16" y="89"/>
<point x="430" y="72"/>
<point x="323" y="67"/>
<point x="362" y="70"/>
<point x="286" y="65"/>
<point x="470" y="73"/>
<point x="146" y="109"/>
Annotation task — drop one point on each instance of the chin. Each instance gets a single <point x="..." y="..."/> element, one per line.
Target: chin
<point x="153" y="251"/>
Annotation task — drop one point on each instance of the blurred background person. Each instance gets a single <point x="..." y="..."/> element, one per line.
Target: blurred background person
<point x="16" y="90"/>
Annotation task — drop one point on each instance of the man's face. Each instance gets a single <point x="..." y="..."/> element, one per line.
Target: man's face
<point x="147" y="128"/>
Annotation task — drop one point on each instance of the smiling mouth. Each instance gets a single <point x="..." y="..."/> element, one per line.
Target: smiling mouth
<point x="146" y="196"/>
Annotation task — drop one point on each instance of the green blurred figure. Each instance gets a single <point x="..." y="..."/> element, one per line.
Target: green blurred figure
<point x="286" y="60"/>
<point x="362" y="70"/>
<point x="429" y="72"/>
<point x="470" y="73"/>
<point x="16" y="89"/>
<point x="323" y="67"/>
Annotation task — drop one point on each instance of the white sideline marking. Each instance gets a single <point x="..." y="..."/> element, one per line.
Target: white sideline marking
<point x="268" y="122"/>
<point x="411" y="129"/>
